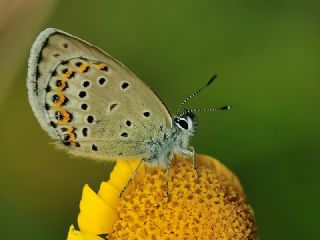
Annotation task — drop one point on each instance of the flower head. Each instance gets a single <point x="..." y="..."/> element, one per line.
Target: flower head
<point x="208" y="206"/>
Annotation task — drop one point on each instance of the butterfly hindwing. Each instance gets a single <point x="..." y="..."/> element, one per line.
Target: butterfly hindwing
<point x="88" y="101"/>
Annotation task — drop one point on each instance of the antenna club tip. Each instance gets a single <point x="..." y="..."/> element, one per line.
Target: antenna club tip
<point x="212" y="79"/>
<point x="226" y="107"/>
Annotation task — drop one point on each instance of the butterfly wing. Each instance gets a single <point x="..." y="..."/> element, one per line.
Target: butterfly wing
<point x="89" y="102"/>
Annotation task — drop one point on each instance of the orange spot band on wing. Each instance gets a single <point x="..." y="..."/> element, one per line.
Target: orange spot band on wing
<point x="66" y="117"/>
<point x="83" y="68"/>
<point x="100" y="66"/>
<point x="60" y="101"/>
<point x="69" y="74"/>
<point x="63" y="85"/>
<point x="72" y="134"/>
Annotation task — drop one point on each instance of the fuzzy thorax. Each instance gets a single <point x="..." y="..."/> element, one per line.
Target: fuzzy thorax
<point x="174" y="141"/>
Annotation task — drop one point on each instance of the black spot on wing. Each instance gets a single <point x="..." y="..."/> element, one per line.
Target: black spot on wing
<point x="64" y="129"/>
<point x="55" y="98"/>
<point x="124" y="85"/>
<point x="82" y="94"/>
<point x="53" y="124"/>
<point x="102" y="80"/>
<point x="66" y="143"/>
<point x="85" y="132"/>
<point x="40" y="58"/>
<point x="105" y="69"/>
<point x="48" y="89"/>
<point x="90" y="119"/>
<point x="66" y="137"/>
<point x="38" y="74"/>
<point x="36" y="88"/>
<point x="94" y="147"/>
<point x="86" y="84"/>
<point x="70" y="117"/>
<point x="58" y="83"/>
<point x="112" y="106"/>
<point x="146" y="114"/>
<point x="84" y="106"/>
<point x="124" y="134"/>
<point x="58" y="115"/>
<point x="64" y="62"/>
<point x="86" y="69"/>
<point x="45" y="44"/>
<point x="65" y="101"/>
<point x="65" y="86"/>
<point x="72" y="75"/>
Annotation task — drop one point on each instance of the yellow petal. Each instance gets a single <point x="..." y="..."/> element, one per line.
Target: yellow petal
<point x="140" y="174"/>
<point x="77" y="235"/>
<point x="122" y="171"/>
<point x="109" y="194"/>
<point x="95" y="215"/>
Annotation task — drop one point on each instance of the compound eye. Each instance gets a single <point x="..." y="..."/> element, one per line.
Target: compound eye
<point x="183" y="123"/>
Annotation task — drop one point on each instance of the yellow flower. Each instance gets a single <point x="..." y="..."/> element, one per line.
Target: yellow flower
<point x="208" y="206"/>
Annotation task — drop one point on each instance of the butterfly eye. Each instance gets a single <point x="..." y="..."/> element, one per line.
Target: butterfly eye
<point x="182" y="123"/>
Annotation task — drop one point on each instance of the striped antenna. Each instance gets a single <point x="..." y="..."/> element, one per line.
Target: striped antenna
<point x="227" y="107"/>
<point x="196" y="93"/>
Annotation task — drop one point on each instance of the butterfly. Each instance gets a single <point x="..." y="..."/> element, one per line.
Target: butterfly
<point x="93" y="106"/>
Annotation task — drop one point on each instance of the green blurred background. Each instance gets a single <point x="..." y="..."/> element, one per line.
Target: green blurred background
<point x="267" y="55"/>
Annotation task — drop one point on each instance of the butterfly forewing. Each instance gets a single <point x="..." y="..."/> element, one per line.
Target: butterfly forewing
<point x="92" y="104"/>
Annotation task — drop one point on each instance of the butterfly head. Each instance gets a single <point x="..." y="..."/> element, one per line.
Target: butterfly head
<point x="186" y="122"/>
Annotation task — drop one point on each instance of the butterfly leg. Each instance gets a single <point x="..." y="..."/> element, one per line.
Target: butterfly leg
<point x="132" y="177"/>
<point x="194" y="161"/>
<point x="191" y="153"/>
<point x="167" y="179"/>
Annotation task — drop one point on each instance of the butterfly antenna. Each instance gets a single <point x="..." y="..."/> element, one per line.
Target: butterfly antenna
<point x="227" y="107"/>
<point x="196" y="93"/>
